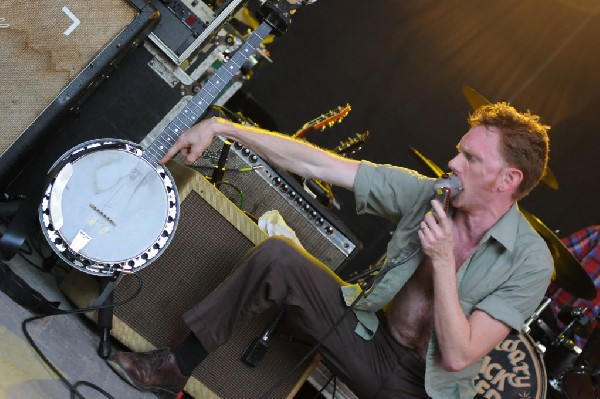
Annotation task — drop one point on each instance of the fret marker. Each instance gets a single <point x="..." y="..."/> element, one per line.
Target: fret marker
<point x="176" y="130"/>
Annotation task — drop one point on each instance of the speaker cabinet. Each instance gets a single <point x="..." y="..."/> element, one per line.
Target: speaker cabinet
<point x="212" y="236"/>
<point x="52" y="55"/>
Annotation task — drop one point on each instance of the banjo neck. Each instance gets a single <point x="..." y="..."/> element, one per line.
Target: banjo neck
<point x="198" y="104"/>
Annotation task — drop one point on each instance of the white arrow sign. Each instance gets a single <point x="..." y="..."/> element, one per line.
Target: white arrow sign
<point x="75" y="20"/>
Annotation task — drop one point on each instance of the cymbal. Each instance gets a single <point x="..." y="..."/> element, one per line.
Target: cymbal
<point x="568" y="272"/>
<point x="476" y="100"/>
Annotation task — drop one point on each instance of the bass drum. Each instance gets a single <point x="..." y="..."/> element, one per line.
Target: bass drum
<point x="514" y="369"/>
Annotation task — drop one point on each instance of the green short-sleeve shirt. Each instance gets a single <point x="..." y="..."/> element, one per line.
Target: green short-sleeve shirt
<point x="506" y="276"/>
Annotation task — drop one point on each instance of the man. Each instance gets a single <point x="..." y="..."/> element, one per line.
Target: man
<point x="424" y="327"/>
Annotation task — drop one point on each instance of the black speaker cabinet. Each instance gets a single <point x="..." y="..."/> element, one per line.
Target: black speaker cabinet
<point x="212" y="236"/>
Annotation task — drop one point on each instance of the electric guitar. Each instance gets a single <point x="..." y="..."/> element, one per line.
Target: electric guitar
<point x="323" y="121"/>
<point x="111" y="207"/>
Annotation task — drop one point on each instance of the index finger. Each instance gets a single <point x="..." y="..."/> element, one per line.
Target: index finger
<point x="173" y="150"/>
<point x="439" y="210"/>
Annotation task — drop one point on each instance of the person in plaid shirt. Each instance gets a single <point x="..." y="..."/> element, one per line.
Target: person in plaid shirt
<point x="584" y="244"/>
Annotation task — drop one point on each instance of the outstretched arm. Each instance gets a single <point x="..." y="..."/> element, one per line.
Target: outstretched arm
<point x="294" y="155"/>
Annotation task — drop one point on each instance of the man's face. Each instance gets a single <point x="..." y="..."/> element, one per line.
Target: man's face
<point x="478" y="165"/>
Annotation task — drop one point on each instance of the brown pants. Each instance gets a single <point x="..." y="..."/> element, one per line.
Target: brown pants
<point x="278" y="272"/>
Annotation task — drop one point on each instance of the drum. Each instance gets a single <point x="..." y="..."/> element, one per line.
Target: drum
<point x="580" y="383"/>
<point x="514" y="369"/>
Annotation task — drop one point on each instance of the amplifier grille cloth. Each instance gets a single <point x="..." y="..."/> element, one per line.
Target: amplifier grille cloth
<point x="37" y="60"/>
<point x="200" y="256"/>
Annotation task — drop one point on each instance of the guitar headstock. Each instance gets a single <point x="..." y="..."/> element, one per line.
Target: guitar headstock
<point x="325" y="120"/>
<point x="277" y="13"/>
<point x="352" y="144"/>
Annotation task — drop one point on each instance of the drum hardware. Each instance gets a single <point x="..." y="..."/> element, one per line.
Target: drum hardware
<point x="560" y="355"/>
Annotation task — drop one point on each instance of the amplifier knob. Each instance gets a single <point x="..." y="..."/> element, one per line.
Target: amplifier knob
<point x="246" y="151"/>
<point x="253" y="158"/>
<point x="320" y="221"/>
<point x="292" y="194"/>
<point x="284" y="187"/>
<point x="277" y="180"/>
<point x="299" y="200"/>
<point x="329" y="230"/>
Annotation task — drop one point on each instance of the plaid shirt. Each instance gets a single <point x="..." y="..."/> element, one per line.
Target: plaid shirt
<point x="585" y="246"/>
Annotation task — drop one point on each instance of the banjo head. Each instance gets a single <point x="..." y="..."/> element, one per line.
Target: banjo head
<point x="108" y="209"/>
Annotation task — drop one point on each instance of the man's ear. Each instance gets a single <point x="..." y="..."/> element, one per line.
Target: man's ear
<point x="510" y="179"/>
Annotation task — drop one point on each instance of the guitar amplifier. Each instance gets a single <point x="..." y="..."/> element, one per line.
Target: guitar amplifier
<point x="257" y="187"/>
<point x="52" y="55"/>
<point x="212" y="236"/>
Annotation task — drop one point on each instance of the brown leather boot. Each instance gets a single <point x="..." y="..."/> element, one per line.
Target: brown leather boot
<point x="149" y="371"/>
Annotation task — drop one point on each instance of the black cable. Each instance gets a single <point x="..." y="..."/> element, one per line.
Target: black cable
<point x="324" y="386"/>
<point x="363" y="293"/>
<point x="241" y="170"/>
<point x="332" y="378"/>
<point x="373" y="269"/>
<point x="334" y="386"/>
<point x="73" y="387"/>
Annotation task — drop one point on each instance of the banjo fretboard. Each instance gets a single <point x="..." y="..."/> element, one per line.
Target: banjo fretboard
<point x="211" y="90"/>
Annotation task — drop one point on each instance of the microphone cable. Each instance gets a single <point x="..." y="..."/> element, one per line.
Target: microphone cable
<point x="73" y="387"/>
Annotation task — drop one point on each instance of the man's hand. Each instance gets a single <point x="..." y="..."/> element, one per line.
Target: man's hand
<point x="194" y="141"/>
<point x="435" y="234"/>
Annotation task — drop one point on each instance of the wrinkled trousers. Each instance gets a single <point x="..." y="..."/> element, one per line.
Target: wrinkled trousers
<point x="277" y="272"/>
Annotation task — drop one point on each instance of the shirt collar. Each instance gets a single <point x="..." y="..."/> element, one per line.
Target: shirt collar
<point x="504" y="230"/>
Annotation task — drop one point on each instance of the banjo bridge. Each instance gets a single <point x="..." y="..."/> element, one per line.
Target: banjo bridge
<point x="104" y="215"/>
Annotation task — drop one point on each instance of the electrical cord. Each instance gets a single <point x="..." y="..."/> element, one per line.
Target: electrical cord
<point x="236" y="188"/>
<point x="363" y="293"/>
<point x="73" y="387"/>
<point x="332" y="378"/>
<point x="246" y="169"/>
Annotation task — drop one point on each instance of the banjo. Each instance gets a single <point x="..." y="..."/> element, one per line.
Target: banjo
<point x="110" y="206"/>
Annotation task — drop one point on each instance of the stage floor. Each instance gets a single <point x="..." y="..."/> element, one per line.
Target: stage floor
<point x="70" y="342"/>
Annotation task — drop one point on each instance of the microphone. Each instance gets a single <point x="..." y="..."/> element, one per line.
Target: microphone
<point x="445" y="188"/>
<point x="258" y="348"/>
